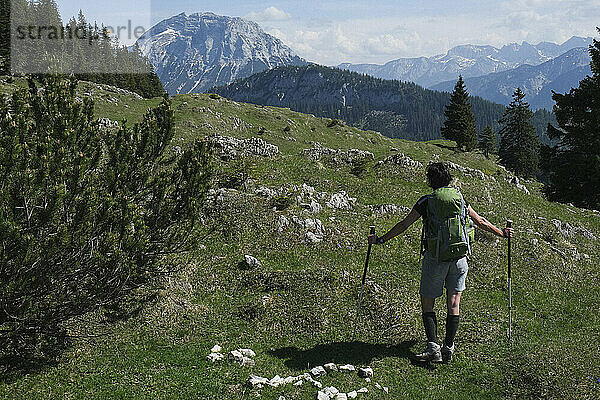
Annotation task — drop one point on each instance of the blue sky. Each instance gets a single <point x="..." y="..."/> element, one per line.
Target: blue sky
<point x="332" y="32"/>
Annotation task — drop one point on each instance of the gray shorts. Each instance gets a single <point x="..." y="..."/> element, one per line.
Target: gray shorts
<point x="434" y="274"/>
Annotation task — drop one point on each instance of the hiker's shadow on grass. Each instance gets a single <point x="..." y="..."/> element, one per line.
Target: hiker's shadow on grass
<point x="355" y="353"/>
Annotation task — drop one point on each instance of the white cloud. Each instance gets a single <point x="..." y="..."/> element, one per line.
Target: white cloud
<point x="269" y="14"/>
<point x="334" y="38"/>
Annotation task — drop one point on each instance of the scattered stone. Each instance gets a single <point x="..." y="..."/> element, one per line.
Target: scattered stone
<point x="322" y="395"/>
<point x="281" y="398"/>
<point x="265" y="192"/>
<point x="247" y="362"/>
<point x="318" y="151"/>
<point x="470" y="171"/>
<point x="523" y="188"/>
<point x="216" y="348"/>
<point x="276" y="381"/>
<point x="385" y="389"/>
<point x="247" y="352"/>
<point x="534" y="242"/>
<point x="310" y="237"/>
<point x="250" y="263"/>
<point x="568" y="231"/>
<point x="368" y="380"/>
<point x="331" y="391"/>
<point x="330" y="367"/>
<point x="315" y="383"/>
<point x="228" y="147"/>
<point x="401" y="160"/>
<point x="265" y="299"/>
<point x="282" y="223"/>
<point x="257" y="381"/>
<point x="363" y="390"/>
<point x="215" y="357"/>
<point x="389" y="209"/>
<point x="347" y="367"/>
<point x="314" y="206"/>
<point x="298" y="383"/>
<point x="341" y="201"/>
<point x="236" y="356"/>
<point x="341" y="396"/>
<point x="318" y="371"/>
<point x="365" y="372"/>
<point x="353" y="394"/>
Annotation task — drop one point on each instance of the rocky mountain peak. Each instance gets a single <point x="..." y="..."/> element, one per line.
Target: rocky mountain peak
<point x="194" y="52"/>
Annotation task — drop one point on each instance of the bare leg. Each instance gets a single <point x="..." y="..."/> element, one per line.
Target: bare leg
<point x="453" y="302"/>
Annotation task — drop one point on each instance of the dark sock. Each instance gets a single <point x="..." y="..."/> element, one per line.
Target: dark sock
<point x="451" y="328"/>
<point x="430" y="323"/>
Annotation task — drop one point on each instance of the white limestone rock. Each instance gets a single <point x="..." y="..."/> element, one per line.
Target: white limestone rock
<point x="215" y="357"/>
<point x="257" y="381"/>
<point x="310" y="237"/>
<point x="353" y="394"/>
<point x="247" y="352"/>
<point x="235" y="356"/>
<point x="347" y="367"/>
<point x="330" y="367"/>
<point x="318" y="371"/>
<point x="216" y="349"/>
<point x="341" y="201"/>
<point x="365" y="372"/>
<point x="341" y="396"/>
<point x="251" y="262"/>
<point x="322" y="395"/>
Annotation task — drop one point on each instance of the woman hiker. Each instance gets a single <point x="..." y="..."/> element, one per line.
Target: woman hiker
<point x="446" y="246"/>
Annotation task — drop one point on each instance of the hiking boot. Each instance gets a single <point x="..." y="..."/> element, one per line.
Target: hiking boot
<point x="447" y="353"/>
<point x="432" y="353"/>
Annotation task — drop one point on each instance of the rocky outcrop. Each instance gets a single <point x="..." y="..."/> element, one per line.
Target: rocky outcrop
<point x="318" y="152"/>
<point x="229" y="148"/>
<point x="401" y="160"/>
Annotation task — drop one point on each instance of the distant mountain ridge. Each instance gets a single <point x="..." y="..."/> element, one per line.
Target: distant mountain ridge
<point x="468" y="61"/>
<point x="192" y="53"/>
<point x="559" y="74"/>
<point x="396" y="109"/>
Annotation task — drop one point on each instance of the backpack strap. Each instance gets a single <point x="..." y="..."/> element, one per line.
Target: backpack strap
<point x="464" y="214"/>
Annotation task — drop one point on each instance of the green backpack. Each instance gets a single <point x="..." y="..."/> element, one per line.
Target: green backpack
<point x="447" y="230"/>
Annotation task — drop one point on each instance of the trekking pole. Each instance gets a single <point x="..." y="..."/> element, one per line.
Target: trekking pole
<point x="362" y="286"/>
<point x="509" y="225"/>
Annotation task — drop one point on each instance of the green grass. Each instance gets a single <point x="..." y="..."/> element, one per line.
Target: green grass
<point x="308" y="317"/>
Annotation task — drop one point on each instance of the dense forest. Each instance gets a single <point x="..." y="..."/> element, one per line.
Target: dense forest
<point x="394" y="108"/>
<point x="83" y="49"/>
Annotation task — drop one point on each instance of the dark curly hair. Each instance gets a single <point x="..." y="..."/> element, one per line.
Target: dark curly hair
<point x="438" y="175"/>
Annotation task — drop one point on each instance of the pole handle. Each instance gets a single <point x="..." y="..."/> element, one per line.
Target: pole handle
<point x="372" y="230"/>
<point x="509" y="223"/>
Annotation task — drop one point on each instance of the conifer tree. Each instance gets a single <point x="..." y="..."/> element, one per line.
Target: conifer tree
<point x="519" y="144"/>
<point x="488" y="143"/>
<point x="460" y="121"/>
<point x="86" y="213"/>
<point x="574" y="163"/>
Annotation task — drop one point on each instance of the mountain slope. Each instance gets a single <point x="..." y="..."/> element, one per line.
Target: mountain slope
<point x="297" y="309"/>
<point x="537" y="82"/>
<point x="468" y="61"/>
<point x="396" y="109"/>
<point x="191" y="53"/>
